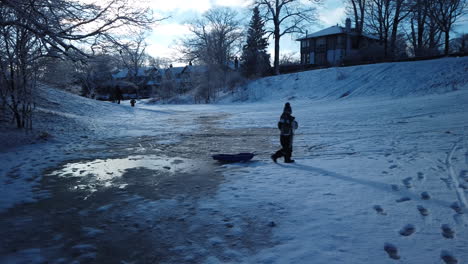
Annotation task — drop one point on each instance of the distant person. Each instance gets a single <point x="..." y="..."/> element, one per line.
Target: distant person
<point x="132" y="102"/>
<point x="118" y="94"/>
<point x="286" y="125"/>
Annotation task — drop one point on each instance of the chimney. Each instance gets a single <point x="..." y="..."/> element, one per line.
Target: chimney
<point x="348" y="24"/>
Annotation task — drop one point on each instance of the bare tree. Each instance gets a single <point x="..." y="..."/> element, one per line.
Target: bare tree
<point x="379" y="20"/>
<point x="60" y="72"/>
<point x="358" y="10"/>
<point x="459" y="44"/>
<point x="290" y="58"/>
<point x="159" y="62"/>
<point x="19" y="51"/>
<point x="215" y="38"/>
<point x="133" y="55"/>
<point x="286" y="17"/>
<point x="417" y="20"/>
<point x="400" y="12"/>
<point x="424" y="33"/>
<point x="445" y="13"/>
<point x="384" y="18"/>
<point x="33" y="29"/>
<point x="61" y="24"/>
<point x="95" y="73"/>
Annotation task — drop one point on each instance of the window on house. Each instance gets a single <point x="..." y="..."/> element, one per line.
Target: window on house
<point x="354" y="42"/>
<point x="312" y="43"/>
<point x="341" y="42"/>
<point x="321" y="45"/>
<point x="331" y="43"/>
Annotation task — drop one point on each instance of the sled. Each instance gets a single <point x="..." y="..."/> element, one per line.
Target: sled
<point x="241" y="157"/>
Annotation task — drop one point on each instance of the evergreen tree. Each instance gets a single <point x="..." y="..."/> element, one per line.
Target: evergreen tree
<point x="255" y="59"/>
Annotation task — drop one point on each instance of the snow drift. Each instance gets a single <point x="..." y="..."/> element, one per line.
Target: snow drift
<point x="391" y="80"/>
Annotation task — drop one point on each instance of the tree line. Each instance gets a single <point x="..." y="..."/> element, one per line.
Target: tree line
<point x="423" y="26"/>
<point x="33" y="32"/>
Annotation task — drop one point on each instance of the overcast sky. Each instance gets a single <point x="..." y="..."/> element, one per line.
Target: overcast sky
<point x="161" y="39"/>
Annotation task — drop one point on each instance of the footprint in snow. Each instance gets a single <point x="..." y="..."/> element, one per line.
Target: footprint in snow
<point x="391" y="250"/>
<point x="420" y="176"/>
<point x="393" y="167"/>
<point x="408" y="230"/>
<point x="456" y="207"/>
<point x="403" y="199"/>
<point x="407" y="182"/>
<point x="379" y="209"/>
<point x="464" y="175"/>
<point x="423" y="211"/>
<point x="447" y="232"/>
<point x="425" y="196"/>
<point x="448" y="182"/>
<point x="448" y="258"/>
<point x="395" y="187"/>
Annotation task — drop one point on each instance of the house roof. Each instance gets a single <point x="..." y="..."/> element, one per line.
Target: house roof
<point x="175" y="70"/>
<point x="153" y="83"/>
<point x="143" y="71"/>
<point x="120" y="74"/>
<point x="333" y="30"/>
<point x="196" y="68"/>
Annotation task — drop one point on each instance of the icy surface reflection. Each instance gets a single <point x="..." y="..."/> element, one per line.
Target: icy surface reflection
<point x="107" y="172"/>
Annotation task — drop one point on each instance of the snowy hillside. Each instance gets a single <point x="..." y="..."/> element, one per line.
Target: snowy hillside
<point x="381" y="175"/>
<point x="380" y="80"/>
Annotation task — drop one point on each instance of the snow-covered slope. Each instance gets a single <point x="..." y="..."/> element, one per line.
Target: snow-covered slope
<point x="377" y="80"/>
<point x="381" y="170"/>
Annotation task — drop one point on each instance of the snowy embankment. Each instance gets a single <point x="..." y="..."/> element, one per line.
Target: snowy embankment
<point x="381" y="174"/>
<point x="64" y="125"/>
<point x="384" y="80"/>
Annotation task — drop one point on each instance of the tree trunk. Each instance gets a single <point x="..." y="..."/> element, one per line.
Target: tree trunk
<point x="277" y="50"/>
<point x="447" y="42"/>
<point x="385" y="42"/>
<point x="18" y="119"/>
<point x="396" y="22"/>
<point x="422" y="14"/>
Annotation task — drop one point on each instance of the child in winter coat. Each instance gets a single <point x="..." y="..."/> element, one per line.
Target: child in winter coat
<point x="287" y="124"/>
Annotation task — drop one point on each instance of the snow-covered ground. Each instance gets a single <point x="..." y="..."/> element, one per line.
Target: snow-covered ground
<point x="381" y="174"/>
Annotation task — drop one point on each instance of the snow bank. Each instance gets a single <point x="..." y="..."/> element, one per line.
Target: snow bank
<point x="391" y="80"/>
<point x="64" y="125"/>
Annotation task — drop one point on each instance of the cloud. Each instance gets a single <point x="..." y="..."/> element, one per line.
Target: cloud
<point x="170" y="30"/>
<point x="159" y="50"/>
<point x="233" y="3"/>
<point x="162" y="39"/>
<point x="199" y="6"/>
<point x="180" y="5"/>
<point x="330" y="17"/>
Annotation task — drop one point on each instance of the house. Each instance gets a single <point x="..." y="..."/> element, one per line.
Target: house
<point x="192" y="75"/>
<point x="146" y="80"/>
<point x="184" y="78"/>
<point x="331" y="45"/>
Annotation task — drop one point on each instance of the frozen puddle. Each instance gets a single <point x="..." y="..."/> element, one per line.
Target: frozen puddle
<point x="107" y="172"/>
